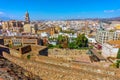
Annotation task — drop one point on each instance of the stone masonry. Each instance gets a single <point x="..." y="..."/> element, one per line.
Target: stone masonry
<point x="58" y="69"/>
<point x="49" y="71"/>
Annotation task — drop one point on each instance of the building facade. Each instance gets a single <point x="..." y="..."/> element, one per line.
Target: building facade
<point x="104" y="36"/>
<point x="20" y="41"/>
<point x="49" y="30"/>
<point x="110" y="49"/>
<point x="13" y="25"/>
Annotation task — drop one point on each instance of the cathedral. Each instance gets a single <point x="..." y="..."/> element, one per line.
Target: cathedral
<point x="27" y="18"/>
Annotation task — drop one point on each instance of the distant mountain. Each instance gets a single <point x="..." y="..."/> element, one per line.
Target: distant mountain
<point x="3" y="18"/>
<point x="114" y="19"/>
<point x="94" y="19"/>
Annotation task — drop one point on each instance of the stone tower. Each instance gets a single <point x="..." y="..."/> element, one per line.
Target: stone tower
<point x="27" y="18"/>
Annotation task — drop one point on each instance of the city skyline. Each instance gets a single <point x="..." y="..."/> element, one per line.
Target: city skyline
<point x="60" y="9"/>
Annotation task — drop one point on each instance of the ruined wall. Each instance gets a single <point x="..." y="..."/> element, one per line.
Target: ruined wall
<point x="10" y="51"/>
<point x="25" y="49"/>
<point x="57" y="51"/>
<point x="15" y="53"/>
<point x="54" y="72"/>
<point x="36" y="48"/>
<point x="80" y="66"/>
<point x="69" y="54"/>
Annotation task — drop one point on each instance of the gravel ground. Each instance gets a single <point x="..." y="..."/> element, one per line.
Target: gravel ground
<point x="10" y="71"/>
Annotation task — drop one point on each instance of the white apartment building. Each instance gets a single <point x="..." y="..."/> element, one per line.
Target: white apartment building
<point x="110" y="49"/>
<point x="103" y="36"/>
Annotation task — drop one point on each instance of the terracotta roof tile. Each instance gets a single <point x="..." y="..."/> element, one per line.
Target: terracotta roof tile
<point x="114" y="42"/>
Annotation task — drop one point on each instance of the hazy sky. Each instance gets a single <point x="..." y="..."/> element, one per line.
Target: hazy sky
<point x="59" y="9"/>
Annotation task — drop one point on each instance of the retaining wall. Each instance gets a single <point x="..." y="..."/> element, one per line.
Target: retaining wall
<point x="49" y="71"/>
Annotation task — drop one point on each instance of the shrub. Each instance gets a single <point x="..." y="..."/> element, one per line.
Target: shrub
<point x="118" y="63"/>
<point x="113" y="65"/>
<point x="28" y="56"/>
<point x="50" y="46"/>
<point x="118" y="54"/>
<point x="91" y="47"/>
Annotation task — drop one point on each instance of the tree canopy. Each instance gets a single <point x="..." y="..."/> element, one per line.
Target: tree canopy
<point x="118" y="54"/>
<point x="73" y="43"/>
<point x="80" y="41"/>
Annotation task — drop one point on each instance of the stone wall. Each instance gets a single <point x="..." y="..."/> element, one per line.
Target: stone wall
<point x="80" y="66"/>
<point x="49" y="71"/>
<point x="25" y="49"/>
<point x="36" y="48"/>
<point x="15" y="53"/>
<point x="59" y="69"/>
<point x="10" y="51"/>
<point x="69" y="54"/>
<point x="57" y="51"/>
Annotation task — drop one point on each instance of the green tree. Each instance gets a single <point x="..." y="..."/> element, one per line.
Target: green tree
<point x="60" y="38"/>
<point x="81" y="40"/>
<point x="118" y="63"/>
<point x="28" y="56"/>
<point x="50" y="46"/>
<point x="62" y="41"/>
<point x="72" y="45"/>
<point x="75" y="43"/>
<point x="118" y="54"/>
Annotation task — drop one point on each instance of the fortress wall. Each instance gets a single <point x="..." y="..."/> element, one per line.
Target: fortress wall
<point x="82" y="66"/>
<point x="54" y="72"/>
<point x="69" y="54"/>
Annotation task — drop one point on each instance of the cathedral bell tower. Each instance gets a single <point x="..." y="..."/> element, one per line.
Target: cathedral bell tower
<point x="27" y="18"/>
